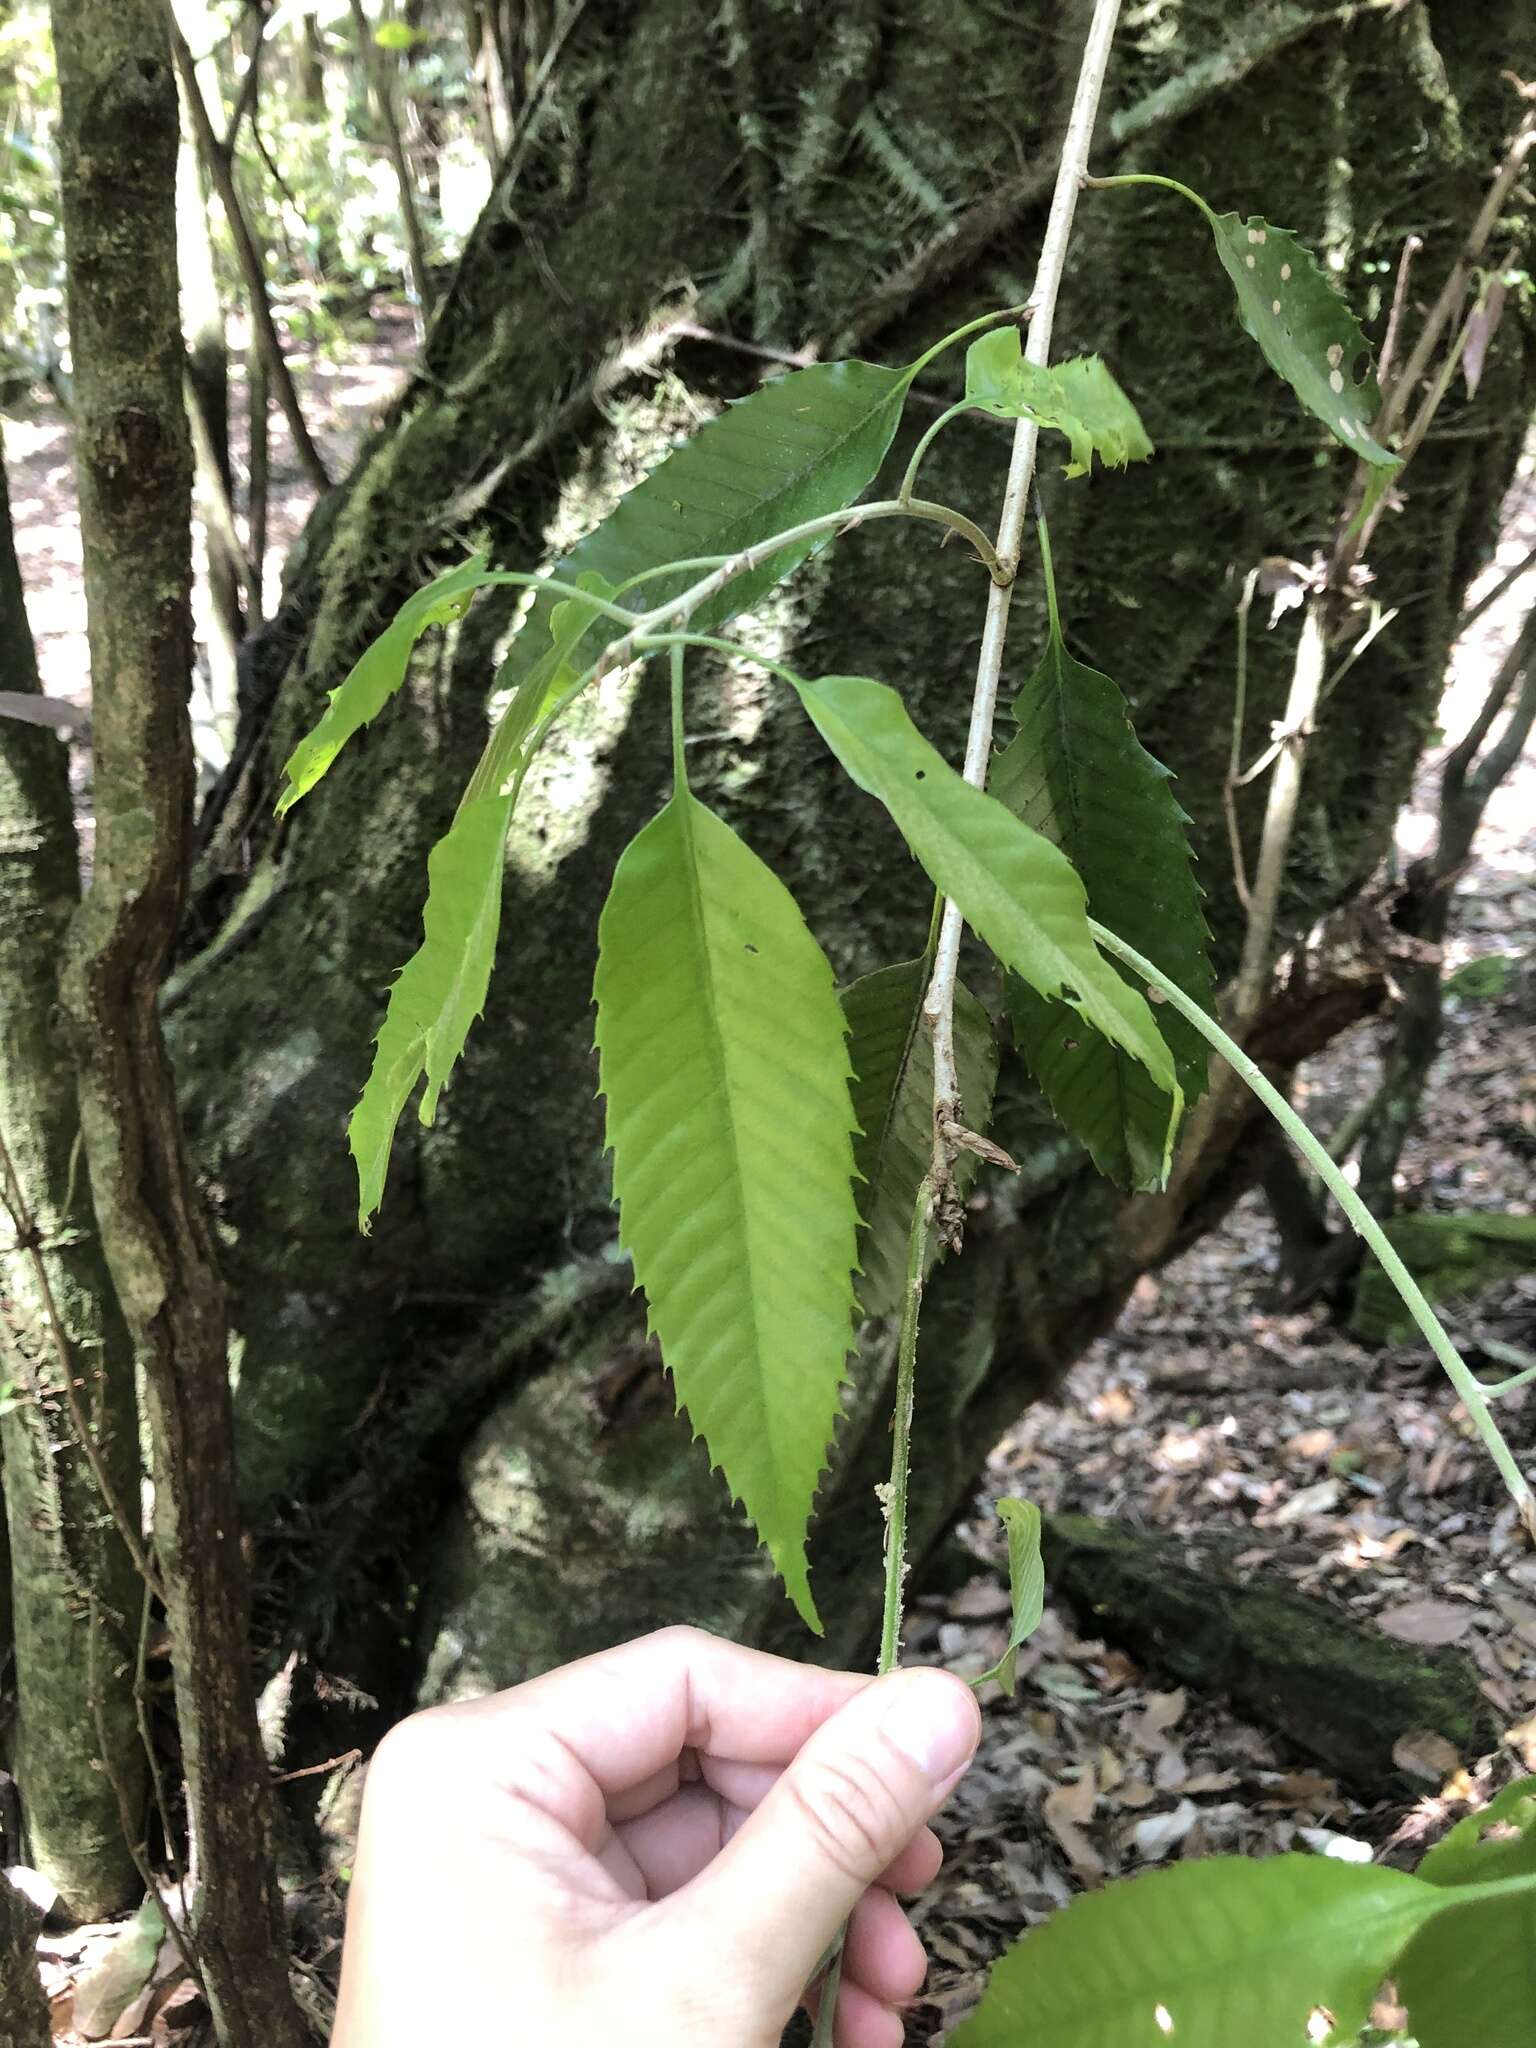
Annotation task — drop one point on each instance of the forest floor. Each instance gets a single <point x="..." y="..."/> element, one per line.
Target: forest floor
<point x="1212" y="1407"/>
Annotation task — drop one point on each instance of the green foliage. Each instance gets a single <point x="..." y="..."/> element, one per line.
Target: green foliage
<point x="1483" y="1990"/>
<point x="1308" y="334"/>
<point x="1026" y="1582"/>
<point x="376" y="675"/>
<point x="1207" y="1955"/>
<point x="1483" y="979"/>
<point x="1077" y="773"/>
<point x="892" y="1054"/>
<point x="805" y="445"/>
<point x="1078" y="398"/>
<point x="726" y="1075"/>
<point x="1017" y="891"/>
<point x="440" y="990"/>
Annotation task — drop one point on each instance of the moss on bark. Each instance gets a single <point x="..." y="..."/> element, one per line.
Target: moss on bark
<point x="75" y="1598"/>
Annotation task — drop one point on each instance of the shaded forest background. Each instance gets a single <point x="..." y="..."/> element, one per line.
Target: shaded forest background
<point x="457" y="275"/>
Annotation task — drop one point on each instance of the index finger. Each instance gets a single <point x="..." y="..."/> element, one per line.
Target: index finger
<point x="627" y="1713"/>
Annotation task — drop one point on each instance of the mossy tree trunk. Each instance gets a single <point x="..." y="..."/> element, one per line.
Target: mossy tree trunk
<point x="75" y="1598"/>
<point x="117" y="155"/>
<point x="779" y="176"/>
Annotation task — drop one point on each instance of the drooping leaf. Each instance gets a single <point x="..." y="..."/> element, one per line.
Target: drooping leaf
<point x="1207" y="1954"/>
<point x="439" y="992"/>
<point x="1019" y="893"/>
<point x="892" y="1055"/>
<point x="1078" y="398"/>
<point x="1026" y="1582"/>
<point x="1076" y="772"/>
<point x="376" y="675"/>
<point x="725" y="1069"/>
<point x="1472" y="1976"/>
<point x="1296" y="314"/>
<point x="804" y="445"/>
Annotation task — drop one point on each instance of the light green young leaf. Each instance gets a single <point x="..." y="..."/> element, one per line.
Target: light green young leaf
<point x="804" y="445"/>
<point x="1308" y="334"/>
<point x="1210" y="1954"/>
<point x="726" y="1074"/>
<point x="1017" y="891"/>
<point x="439" y="992"/>
<point x="376" y="675"/>
<point x="1471" y="1977"/>
<point x="1077" y="773"/>
<point x="1026" y="1582"/>
<point x="892" y="1055"/>
<point x="1078" y="398"/>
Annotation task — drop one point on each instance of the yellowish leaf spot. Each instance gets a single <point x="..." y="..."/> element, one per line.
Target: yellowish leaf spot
<point x="1335" y="380"/>
<point x="1164" y="2018"/>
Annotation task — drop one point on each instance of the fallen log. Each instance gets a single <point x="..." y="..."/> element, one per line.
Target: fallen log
<point x="1332" y="1687"/>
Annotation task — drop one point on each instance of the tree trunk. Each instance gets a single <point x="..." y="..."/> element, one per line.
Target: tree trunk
<point x="75" y="1597"/>
<point x="117" y="153"/>
<point x="23" y="2012"/>
<point x="910" y="150"/>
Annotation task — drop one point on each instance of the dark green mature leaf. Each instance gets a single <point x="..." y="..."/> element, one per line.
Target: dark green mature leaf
<point x="1019" y="893"/>
<point x="1077" y="773"/>
<point x="892" y="1055"/>
<point x="1078" y="398"/>
<point x="804" y="445"/>
<point x="439" y="992"/>
<point x="726" y="1072"/>
<point x="376" y="675"/>
<point x="1471" y="1976"/>
<point x="1220" y="1953"/>
<point x="1026" y="1582"/>
<point x="1295" y="313"/>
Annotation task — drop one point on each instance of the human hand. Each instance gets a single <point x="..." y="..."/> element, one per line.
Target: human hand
<point x="652" y="1847"/>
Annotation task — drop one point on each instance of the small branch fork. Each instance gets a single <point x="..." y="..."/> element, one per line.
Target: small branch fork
<point x="939" y="1003"/>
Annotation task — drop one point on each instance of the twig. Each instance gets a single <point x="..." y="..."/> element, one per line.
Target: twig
<point x="1234" y="776"/>
<point x="332" y="1763"/>
<point x="939" y="1003"/>
<point x="1495" y="591"/>
<point x="378" y="78"/>
<point x="1412" y="244"/>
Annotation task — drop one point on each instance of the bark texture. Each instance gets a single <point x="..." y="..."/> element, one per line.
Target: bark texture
<point x="23" y="2011"/>
<point x="781" y="174"/>
<point x="75" y="1598"/>
<point x="118" y="137"/>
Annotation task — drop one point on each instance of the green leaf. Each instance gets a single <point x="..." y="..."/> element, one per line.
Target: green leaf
<point x="1209" y="1954"/>
<point x="1026" y="1581"/>
<point x="376" y="676"/>
<point x="726" y="1072"/>
<point x="439" y="992"/>
<point x="398" y="35"/>
<point x="1078" y="398"/>
<point x="892" y="1055"/>
<point x="1293" y="310"/>
<point x="804" y="445"/>
<point x="1017" y="891"/>
<point x="1499" y="1840"/>
<point x="1471" y="1977"/>
<point x="1077" y="773"/>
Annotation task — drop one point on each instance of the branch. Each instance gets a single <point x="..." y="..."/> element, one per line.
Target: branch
<point x="939" y="1003"/>
<point x="251" y="270"/>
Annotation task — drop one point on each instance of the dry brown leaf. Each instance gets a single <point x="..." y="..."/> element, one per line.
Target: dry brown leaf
<point x="980" y="1600"/>
<point x="1135" y="1794"/>
<point x="1299" y="1788"/>
<point x="1065" y="1809"/>
<point x="1163" y="1710"/>
<point x="1522" y="1740"/>
<point x="1423" y="1754"/>
<point x="1426" y="1621"/>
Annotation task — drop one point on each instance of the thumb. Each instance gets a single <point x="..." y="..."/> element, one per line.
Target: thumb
<point x="852" y="1798"/>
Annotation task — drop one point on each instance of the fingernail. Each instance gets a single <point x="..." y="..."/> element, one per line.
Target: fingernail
<point x="934" y="1720"/>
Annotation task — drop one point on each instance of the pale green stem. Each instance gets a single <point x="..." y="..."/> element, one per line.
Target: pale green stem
<point x="1474" y="1396"/>
<point x="1149" y="178"/>
<point x="895" y="1505"/>
<point x="943" y="420"/>
<point x="901" y="1432"/>
<point x="679" y="735"/>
